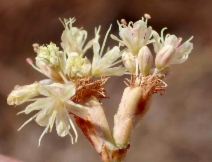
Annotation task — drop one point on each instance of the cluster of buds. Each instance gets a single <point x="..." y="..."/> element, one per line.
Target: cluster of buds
<point x="75" y="83"/>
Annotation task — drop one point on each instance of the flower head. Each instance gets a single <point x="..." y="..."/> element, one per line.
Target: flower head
<point x="134" y="36"/>
<point x="55" y="108"/>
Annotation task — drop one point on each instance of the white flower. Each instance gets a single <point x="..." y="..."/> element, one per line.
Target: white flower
<point x="73" y="38"/>
<point x="181" y="52"/>
<point x="103" y="65"/>
<point x="55" y="108"/>
<point x="134" y="36"/>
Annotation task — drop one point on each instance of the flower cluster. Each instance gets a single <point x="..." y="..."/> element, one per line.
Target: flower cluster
<point x="137" y="56"/>
<point x="71" y="79"/>
<point x="71" y="75"/>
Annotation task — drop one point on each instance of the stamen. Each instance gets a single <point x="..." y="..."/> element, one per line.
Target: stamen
<point x="30" y="62"/>
<point x="103" y="45"/>
<point x="28" y="121"/>
<point x="162" y="31"/>
<point x="123" y="21"/>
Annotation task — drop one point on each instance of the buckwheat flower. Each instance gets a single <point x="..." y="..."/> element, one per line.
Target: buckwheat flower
<point x="55" y="108"/>
<point x="102" y="65"/>
<point x="73" y="38"/>
<point x="134" y="36"/>
<point x="181" y="51"/>
<point x="23" y="94"/>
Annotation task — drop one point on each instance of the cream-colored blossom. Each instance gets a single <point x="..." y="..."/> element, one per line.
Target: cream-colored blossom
<point x="73" y="38"/>
<point x="55" y="108"/>
<point x="103" y="65"/>
<point x="171" y="41"/>
<point x="134" y="36"/>
<point x="77" y="66"/>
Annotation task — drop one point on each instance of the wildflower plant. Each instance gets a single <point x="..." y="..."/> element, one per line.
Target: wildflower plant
<point x="75" y="84"/>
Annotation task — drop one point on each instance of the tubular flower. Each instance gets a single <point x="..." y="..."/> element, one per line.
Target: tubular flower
<point x="179" y="52"/>
<point x="55" y="108"/>
<point x="103" y="65"/>
<point x="134" y="36"/>
<point x="73" y="38"/>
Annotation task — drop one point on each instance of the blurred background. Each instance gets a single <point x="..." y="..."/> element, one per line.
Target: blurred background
<point x="178" y="126"/>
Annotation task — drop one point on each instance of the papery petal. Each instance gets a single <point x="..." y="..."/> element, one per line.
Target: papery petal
<point x="96" y="56"/>
<point x="118" y="71"/>
<point x="157" y="43"/>
<point x="38" y="105"/>
<point x="68" y="91"/>
<point x="148" y="34"/>
<point x="44" y="115"/>
<point x="46" y="81"/>
<point x="76" y="109"/>
<point x="184" y="49"/>
<point x="127" y="37"/>
<point x="62" y="123"/>
<point x="139" y="31"/>
<point x="109" y="58"/>
<point x="180" y="60"/>
<point x="46" y="90"/>
<point x="172" y="40"/>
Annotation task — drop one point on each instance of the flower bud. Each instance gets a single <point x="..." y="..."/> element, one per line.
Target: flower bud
<point x="145" y="60"/>
<point x="164" y="56"/>
<point x="22" y="93"/>
<point x="77" y="66"/>
<point x="129" y="61"/>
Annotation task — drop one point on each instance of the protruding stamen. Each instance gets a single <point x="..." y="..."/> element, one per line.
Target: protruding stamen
<point x="147" y="16"/>
<point x="35" y="47"/>
<point x="30" y="62"/>
<point x="123" y="21"/>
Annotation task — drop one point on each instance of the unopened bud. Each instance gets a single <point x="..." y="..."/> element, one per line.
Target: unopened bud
<point x="129" y="61"/>
<point x="22" y="93"/>
<point x="164" y="56"/>
<point x="145" y="60"/>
